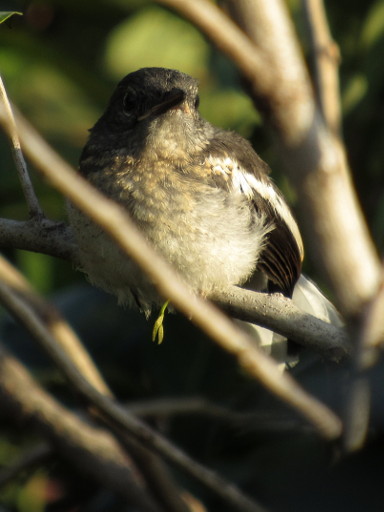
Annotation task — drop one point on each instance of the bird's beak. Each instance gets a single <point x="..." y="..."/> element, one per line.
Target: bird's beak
<point x="172" y="99"/>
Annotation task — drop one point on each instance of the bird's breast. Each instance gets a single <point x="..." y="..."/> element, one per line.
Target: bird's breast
<point x="211" y="236"/>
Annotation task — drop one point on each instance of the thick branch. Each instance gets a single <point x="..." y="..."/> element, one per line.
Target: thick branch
<point x="46" y="237"/>
<point x="282" y="316"/>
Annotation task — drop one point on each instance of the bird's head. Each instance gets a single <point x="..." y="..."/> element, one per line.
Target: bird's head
<point x="149" y="93"/>
<point x="156" y="108"/>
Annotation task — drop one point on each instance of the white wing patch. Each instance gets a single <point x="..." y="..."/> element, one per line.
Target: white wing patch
<point x="246" y="183"/>
<point x="222" y="166"/>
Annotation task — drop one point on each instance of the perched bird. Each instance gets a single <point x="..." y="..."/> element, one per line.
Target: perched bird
<point x="201" y="195"/>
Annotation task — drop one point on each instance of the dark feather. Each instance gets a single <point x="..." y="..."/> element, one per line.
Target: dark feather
<point x="280" y="259"/>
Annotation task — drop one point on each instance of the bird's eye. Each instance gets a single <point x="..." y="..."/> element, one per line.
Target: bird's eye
<point x="129" y="102"/>
<point x="197" y="102"/>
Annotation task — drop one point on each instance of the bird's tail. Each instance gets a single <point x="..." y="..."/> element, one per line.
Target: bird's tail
<point x="308" y="298"/>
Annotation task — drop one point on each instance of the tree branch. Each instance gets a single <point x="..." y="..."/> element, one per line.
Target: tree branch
<point x="254" y="420"/>
<point x="34" y="208"/>
<point x="280" y="315"/>
<point x="326" y="59"/>
<point x="43" y="236"/>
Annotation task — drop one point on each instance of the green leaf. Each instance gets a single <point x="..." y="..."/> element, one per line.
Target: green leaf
<point x="354" y="91"/>
<point x="373" y="29"/>
<point x="4" y="15"/>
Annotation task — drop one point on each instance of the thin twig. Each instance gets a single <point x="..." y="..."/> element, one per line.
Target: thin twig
<point x="34" y="208"/>
<point x="264" y="421"/>
<point x="326" y="59"/>
<point x="111" y="217"/>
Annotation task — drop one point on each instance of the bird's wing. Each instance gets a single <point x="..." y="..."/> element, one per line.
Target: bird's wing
<point x="236" y="167"/>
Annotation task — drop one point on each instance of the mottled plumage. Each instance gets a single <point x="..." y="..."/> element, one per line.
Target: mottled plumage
<point x="200" y="195"/>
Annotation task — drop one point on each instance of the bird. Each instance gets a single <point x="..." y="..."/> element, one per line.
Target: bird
<point x="201" y="195"/>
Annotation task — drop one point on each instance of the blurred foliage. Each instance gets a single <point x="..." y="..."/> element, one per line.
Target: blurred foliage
<point x="60" y="62"/>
